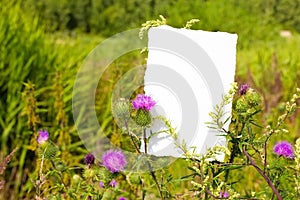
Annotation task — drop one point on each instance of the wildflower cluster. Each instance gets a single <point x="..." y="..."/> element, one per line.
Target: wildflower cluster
<point x="248" y="145"/>
<point x="105" y="173"/>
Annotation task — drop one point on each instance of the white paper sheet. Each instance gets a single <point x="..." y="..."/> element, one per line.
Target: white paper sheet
<point x="188" y="72"/>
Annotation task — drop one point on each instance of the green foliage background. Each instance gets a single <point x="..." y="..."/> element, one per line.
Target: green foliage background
<point x="44" y="42"/>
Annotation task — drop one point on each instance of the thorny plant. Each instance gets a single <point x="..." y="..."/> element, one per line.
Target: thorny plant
<point x="248" y="145"/>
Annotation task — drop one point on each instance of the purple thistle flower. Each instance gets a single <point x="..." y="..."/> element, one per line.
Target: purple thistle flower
<point x="89" y="159"/>
<point x="43" y="137"/>
<point x="224" y="194"/>
<point x="243" y="89"/>
<point x="114" y="161"/>
<point x="284" y="149"/>
<point x="113" y="183"/>
<point x="101" y="184"/>
<point x="143" y="102"/>
<point x="122" y="198"/>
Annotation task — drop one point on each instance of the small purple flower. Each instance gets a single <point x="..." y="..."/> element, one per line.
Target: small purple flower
<point x="243" y="89"/>
<point x="43" y="137"/>
<point x="284" y="149"/>
<point x="89" y="159"/>
<point x="224" y="194"/>
<point x="114" y="161"/>
<point x="113" y="183"/>
<point x="143" y="102"/>
<point x="101" y="184"/>
<point x="122" y="198"/>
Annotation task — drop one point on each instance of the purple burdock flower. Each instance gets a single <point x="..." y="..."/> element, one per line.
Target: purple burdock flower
<point x="43" y="137"/>
<point x="284" y="149"/>
<point x="224" y="194"/>
<point x="143" y="102"/>
<point x="243" y="89"/>
<point x="113" y="183"/>
<point x="89" y="159"/>
<point x="122" y="198"/>
<point x="101" y="184"/>
<point x="114" y="161"/>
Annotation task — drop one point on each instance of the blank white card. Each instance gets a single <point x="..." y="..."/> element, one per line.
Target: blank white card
<point x="188" y="72"/>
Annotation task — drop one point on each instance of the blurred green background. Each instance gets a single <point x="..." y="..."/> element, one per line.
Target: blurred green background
<point x="43" y="44"/>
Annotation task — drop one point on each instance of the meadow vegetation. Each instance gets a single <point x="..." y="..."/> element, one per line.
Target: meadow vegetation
<point x="44" y="43"/>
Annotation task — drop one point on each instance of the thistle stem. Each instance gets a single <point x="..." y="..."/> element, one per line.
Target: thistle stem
<point x="149" y="165"/>
<point x="59" y="174"/>
<point x="262" y="173"/>
<point x="131" y="137"/>
<point x="145" y="140"/>
<point x="157" y="184"/>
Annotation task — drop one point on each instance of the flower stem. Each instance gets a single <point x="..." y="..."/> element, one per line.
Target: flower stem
<point x="150" y="167"/>
<point x="157" y="185"/>
<point x="131" y="137"/>
<point x="145" y="140"/>
<point x="59" y="174"/>
<point x="262" y="173"/>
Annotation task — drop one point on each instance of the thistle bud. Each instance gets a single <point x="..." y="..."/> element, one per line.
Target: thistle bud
<point x="49" y="151"/>
<point x="241" y="105"/>
<point x="89" y="173"/>
<point x="253" y="98"/>
<point x="121" y="108"/>
<point x="143" y="118"/>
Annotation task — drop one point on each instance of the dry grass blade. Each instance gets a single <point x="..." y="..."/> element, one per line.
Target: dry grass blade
<point x="5" y="162"/>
